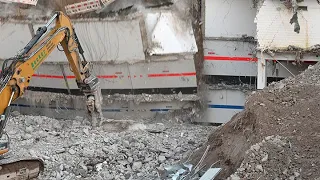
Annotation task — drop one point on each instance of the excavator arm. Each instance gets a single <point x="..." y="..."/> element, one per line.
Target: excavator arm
<point x="17" y="72"/>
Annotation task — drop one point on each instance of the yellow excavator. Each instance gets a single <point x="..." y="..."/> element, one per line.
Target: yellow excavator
<point x="16" y="74"/>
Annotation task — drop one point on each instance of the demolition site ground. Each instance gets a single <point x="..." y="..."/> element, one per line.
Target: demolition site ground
<point x="275" y="137"/>
<point x="71" y="149"/>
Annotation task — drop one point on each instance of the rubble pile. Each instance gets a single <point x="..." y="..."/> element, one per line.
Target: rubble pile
<point x="275" y="137"/>
<point x="257" y="161"/>
<point x="71" y="149"/>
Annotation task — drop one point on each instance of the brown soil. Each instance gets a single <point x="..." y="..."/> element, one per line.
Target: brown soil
<point x="290" y="109"/>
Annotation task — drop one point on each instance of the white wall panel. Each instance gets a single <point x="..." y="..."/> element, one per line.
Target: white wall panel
<point x="222" y="105"/>
<point x="13" y="37"/>
<point x="169" y="34"/>
<point x="217" y="53"/>
<point x="275" y="31"/>
<point x="118" y="41"/>
<point x="173" y="74"/>
<point x="229" y="18"/>
<point x="230" y="68"/>
<point x="235" y="58"/>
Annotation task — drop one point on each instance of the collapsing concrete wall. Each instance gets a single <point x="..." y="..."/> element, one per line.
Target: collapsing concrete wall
<point x="287" y="32"/>
<point x="229" y="63"/>
<point x="122" y="40"/>
<point x="274" y="30"/>
<point x="234" y="32"/>
<point x="129" y="53"/>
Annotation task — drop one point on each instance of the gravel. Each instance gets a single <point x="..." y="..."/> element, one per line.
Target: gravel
<point x="73" y="150"/>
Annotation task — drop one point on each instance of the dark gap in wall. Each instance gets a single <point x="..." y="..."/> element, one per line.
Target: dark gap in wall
<point x="165" y="91"/>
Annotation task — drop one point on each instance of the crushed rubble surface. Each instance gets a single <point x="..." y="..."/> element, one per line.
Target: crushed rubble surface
<point x="275" y="137"/>
<point x="272" y="156"/>
<point x="127" y="150"/>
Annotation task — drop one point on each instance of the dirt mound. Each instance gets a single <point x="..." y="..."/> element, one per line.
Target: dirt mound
<point x="288" y="109"/>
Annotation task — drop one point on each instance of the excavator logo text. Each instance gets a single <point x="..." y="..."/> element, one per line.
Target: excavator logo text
<point x="39" y="59"/>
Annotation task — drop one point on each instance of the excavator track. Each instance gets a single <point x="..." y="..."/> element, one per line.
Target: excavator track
<point x="20" y="169"/>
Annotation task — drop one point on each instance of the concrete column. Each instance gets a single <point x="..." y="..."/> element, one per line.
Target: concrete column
<point x="262" y="75"/>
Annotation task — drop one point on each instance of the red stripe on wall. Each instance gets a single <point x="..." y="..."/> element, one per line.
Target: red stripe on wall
<point x="107" y="77"/>
<point x="172" y="74"/>
<point x="52" y="76"/>
<point x="229" y="58"/>
<point x="115" y="76"/>
<point x="71" y="77"/>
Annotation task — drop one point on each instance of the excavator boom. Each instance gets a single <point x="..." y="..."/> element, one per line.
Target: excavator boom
<point x="16" y="75"/>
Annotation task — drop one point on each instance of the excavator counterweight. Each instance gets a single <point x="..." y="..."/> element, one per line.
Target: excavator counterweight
<point x="16" y="74"/>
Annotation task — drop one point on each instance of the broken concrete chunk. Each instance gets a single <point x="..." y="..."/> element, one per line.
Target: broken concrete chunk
<point x="29" y="129"/>
<point x="29" y="122"/>
<point x="88" y="152"/>
<point x="265" y="158"/>
<point x="234" y="177"/>
<point x="61" y="150"/>
<point x="156" y="128"/>
<point x="72" y="152"/>
<point x="28" y="136"/>
<point x="162" y="158"/>
<point x="32" y="153"/>
<point x="136" y="166"/>
<point x="259" y="167"/>
<point x="99" y="167"/>
<point x="86" y="131"/>
<point x="15" y="114"/>
<point x="130" y="159"/>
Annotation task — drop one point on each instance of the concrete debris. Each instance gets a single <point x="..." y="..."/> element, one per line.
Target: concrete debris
<point x="256" y="163"/>
<point x="73" y="150"/>
<point x="153" y="97"/>
<point x="156" y="128"/>
<point x="41" y="97"/>
<point x="15" y="113"/>
<point x="245" y="88"/>
<point x="162" y="158"/>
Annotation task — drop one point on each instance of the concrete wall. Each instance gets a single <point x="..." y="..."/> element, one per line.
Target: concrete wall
<point x="275" y="31"/>
<point x="105" y="41"/>
<point x="230" y="58"/>
<point x="150" y="51"/>
<point x="13" y="37"/>
<point x="123" y="76"/>
<point x="226" y="54"/>
<point x="230" y="51"/>
<point x="229" y="18"/>
<point x="65" y="106"/>
<point x="168" y="34"/>
<point x="236" y="58"/>
<point x="121" y="50"/>
<point x="223" y="104"/>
